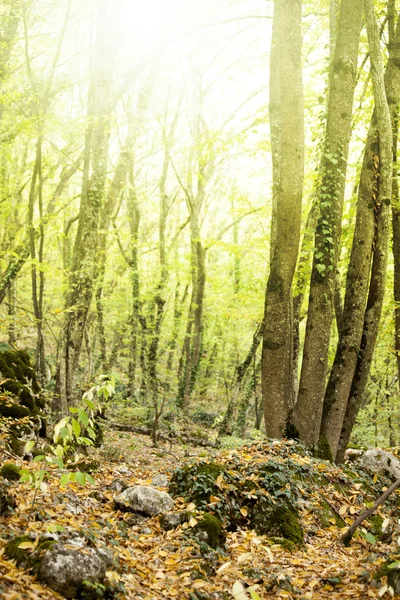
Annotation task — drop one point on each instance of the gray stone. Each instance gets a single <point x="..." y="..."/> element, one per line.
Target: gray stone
<point x="160" y="480"/>
<point x="145" y="500"/>
<point x="118" y="486"/>
<point x="172" y="520"/>
<point x="65" y="569"/>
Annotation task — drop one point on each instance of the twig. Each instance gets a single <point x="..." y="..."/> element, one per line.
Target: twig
<point x="346" y="537"/>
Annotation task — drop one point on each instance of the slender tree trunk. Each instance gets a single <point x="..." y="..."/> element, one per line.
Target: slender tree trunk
<point x="387" y="100"/>
<point x="374" y="198"/>
<point x="277" y="355"/>
<point x="331" y="189"/>
<point x="86" y="242"/>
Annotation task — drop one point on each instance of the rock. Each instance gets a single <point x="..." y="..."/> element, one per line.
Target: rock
<point x="160" y="480"/>
<point x="281" y="521"/>
<point x="118" y="486"/>
<point x="145" y="531"/>
<point x="210" y="531"/>
<point x="71" y="501"/>
<point x="65" y="570"/>
<point x="124" y="471"/>
<point x="394" y="579"/>
<point x="145" y="500"/>
<point x="172" y="520"/>
<point x="378" y="460"/>
<point x="7" y="501"/>
<point x="99" y="496"/>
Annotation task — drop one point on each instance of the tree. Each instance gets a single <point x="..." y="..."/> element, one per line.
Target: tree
<point x="286" y="109"/>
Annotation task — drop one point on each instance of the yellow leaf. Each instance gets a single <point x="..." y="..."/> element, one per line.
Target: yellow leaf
<point x="199" y="583"/>
<point x="160" y="575"/>
<point x="244" y="557"/>
<point x="343" y="510"/>
<point x="163" y="553"/>
<point x="219" y="481"/>
<point x="191" y="506"/>
<point x="224" y="566"/>
<point x="244" y="512"/>
<point x="192" y="522"/>
<point x="214" y="499"/>
<point x="27" y="546"/>
<point x="375" y="478"/>
<point x="238" y="591"/>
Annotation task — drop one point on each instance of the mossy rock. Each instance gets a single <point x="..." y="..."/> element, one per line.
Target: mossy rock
<point x="210" y="530"/>
<point x="10" y="471"/>
<point x="11" y="410"/>
<point x="16" y="368"/>
<point x="7" y="502"/>
<point x="24" y="557"/>
<point x="16" y="445"/>
<point x="278" y="521"/>
<point x="323" y="450"/>
<point x="285" y="543"/>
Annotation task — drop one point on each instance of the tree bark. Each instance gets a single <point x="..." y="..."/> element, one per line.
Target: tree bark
<point x="330" y="192"/>
<point x="387" y="98"/>
<point x="372" y="196"/>
<point x="277" y="353"/>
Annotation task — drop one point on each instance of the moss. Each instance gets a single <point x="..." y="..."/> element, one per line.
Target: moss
<point x="16" y="445"/>
<point x="25" y="558"/>
<point x="279" y="520"/>
<point x="376" y="522"/>
<point x="210" y="530"/>
<point x="15" y="366"/>
<point x="323" y="450"/>
<point x="326" y="515"/>
<point x="285" y="543"/>
<point x="11" y="410"/>
<point x="10" y="471"/>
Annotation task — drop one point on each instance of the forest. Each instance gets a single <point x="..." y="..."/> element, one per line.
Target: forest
<point x="199" y="299"/>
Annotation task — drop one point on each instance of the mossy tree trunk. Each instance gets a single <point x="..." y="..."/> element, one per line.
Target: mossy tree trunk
<point x="371" y="227"/>
<point x="387" y="99"/>
<point x="330" y="193"/>
<point x="287" y="133"/>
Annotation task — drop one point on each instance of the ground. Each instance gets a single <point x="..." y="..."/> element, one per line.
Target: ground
<point x="154" y="564"/>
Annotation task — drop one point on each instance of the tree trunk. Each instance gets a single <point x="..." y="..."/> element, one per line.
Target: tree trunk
<point x="277" y="354"/>
<point x="387" y="102"/>
<point x="331" y="189"/>
<point x="85" y="248"/>
<point x="374" y="195"/>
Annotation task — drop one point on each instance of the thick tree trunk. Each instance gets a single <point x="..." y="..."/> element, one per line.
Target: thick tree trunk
<point x="358" y="332"/>
<point x="331" y="189"/>
<point x="277" y="354"/>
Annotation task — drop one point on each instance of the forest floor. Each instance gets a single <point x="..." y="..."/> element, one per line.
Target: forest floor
<point x="154" y="564"/>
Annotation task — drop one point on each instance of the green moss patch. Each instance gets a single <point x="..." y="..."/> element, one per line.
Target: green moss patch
<point x="210" y="530"/>
<point x="279" y="521"/>
<point x="27" y="558"/>
<point x="10" y="471"/>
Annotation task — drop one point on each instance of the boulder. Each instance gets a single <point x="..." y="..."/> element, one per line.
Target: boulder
<point x="118" y="485"/>
<point x="378" y="461"/>
<point x="66" y="570"/>
<point x="144" y="500"/>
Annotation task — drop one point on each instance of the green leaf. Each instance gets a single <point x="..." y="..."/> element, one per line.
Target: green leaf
<point x="80" y="477"/>
<point x="83" y="417"/>
<point x="65" y="479"/>
<point x="76" y="428"/>
<point x="320" y="268"/>
<point x="38" y="458"/>
<point x="90" y="479"/>
<point x="28" y="446"/>
<point x="394" y="565"/>
<point x="370" y="538"/>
